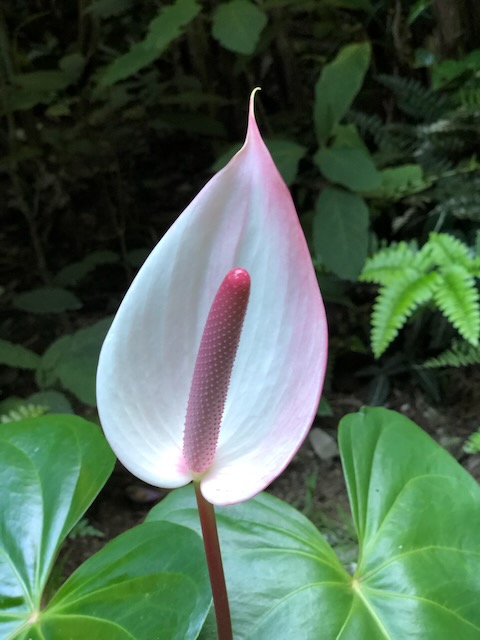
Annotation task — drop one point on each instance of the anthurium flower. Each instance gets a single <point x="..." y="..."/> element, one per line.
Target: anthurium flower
<point x="242" y="223"/>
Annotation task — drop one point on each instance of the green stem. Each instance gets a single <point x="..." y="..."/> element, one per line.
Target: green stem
<point x="215" y="566"/>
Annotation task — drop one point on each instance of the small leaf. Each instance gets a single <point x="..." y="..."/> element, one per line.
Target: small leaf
<point x="346" y="136"/>
<point x="324" y="408"/>
<point x="286" y="155"/>
<point x="162" y="31"/>
<point x="237" y="25"/>
<point x="50" y="81"/>
<point x="47" y="371"/>
<point x="337" y="86"/>
<point x="72" y="66"/>
<point x="55" y="401"/>
<point x="108" y="8"/>
<point x="340" y="231"/>
<point x="400" y="181"/>
<point x="15" y="355"/>
<point x="72" y="361"/>
<point x="75" y="272"/>
<point x="352" y="168"/>
<point x="47" y="300"/>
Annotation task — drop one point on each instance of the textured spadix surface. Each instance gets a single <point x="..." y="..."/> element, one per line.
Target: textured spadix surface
<point x="244" y="217"/>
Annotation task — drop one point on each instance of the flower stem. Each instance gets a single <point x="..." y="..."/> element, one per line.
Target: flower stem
<point x="215" y="566"/>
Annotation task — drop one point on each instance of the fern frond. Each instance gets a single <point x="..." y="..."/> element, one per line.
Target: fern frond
<point x="457" y="298"/>
<point x="414" y="99"/>
<point x="472" y="445"/>
<point x="456" y="134"/>
<point x="460" y="354"/>
<point x="463" y="206"/>
<point x="447" y="250"/>
<point x="396" y="303"/>
<point x="368" y="125"/>
<point x="22" y="412"/>
<point x="388" y="264"/>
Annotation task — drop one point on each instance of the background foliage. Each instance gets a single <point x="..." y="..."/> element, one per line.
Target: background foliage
<point x="114" y="113"/>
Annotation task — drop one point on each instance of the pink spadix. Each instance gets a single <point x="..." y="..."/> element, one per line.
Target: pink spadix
<point x="213" y="369"/>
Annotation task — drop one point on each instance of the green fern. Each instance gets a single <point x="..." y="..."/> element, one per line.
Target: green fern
<point x="22" y="412"/>
<point x="447" y="250"/>
<point x="442" y="272"/>
<point x="460" y="354"/>
<point x="414" y="99"/>
<point x="457" y="298"/>
<point x="388" y="264"/>
<point x="472" y="445"/>
<point x="396" y="303"/>
<point x="368" y="125"/>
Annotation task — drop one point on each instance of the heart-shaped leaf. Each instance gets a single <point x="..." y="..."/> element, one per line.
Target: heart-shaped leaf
<point x="417" y="515"/>
<point x="283" y="578"/>
<point x="51" y="469"/>
<point x="150" y="583"/>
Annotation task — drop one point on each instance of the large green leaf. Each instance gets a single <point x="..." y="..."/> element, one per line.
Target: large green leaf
<point x="340" y="231"/>
<point x="162" y="31"/>
<point x="352" y="168"/>
<point x="417" y="515"/>
<point x="150" y="583"/>
<point x="237" y="25"/>
<point x="276" y="563"/>
<point x="51" y="469"/>
<point x="337" y="86"/>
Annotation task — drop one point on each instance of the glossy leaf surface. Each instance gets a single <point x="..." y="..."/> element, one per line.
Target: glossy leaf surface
<point x="417" y="515"/>
<point x="51" y="469"/>
<point x="150" y="583"/>
<point x="282" y="576"/>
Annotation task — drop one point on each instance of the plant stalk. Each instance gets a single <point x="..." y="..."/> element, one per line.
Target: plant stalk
<point x="215" y="566"/>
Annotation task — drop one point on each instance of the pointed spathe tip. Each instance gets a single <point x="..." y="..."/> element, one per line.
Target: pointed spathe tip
<point x="252" y="129"/>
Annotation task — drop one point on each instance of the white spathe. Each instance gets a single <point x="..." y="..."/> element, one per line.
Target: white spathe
<point x="243" y="217"/>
